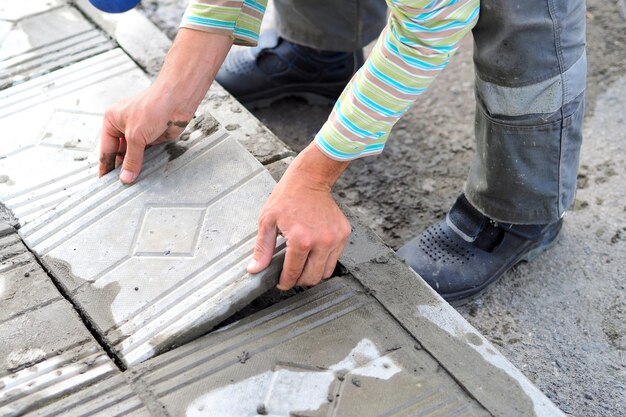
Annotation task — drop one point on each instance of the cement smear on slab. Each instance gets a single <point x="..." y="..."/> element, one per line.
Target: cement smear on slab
<point x="332" y="350"/>
<point x="459" y="348"/>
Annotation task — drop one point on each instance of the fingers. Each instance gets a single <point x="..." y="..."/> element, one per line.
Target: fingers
<point x="313" y="269"/>
<point x="132" y="161"/>
<point x="109" y="145"/>
<point x="334" y="256"/>
<point x="295" y="258"/>
<point x="331" y="263"/>
<point x="129" y="126"/>
<point x="312" y="257"/>
<point x="314" y="227"/>
<point x="121" y="152"/>
<point x="265" y="245"/>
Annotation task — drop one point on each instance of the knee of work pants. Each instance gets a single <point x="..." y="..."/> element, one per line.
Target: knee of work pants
<point x="530" y="79"/>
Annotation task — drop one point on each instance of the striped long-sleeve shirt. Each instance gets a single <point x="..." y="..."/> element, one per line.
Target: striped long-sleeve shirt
<point x="420" y="38"/>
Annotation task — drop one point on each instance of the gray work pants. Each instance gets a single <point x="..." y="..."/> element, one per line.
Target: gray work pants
<point x="530" y="79"/>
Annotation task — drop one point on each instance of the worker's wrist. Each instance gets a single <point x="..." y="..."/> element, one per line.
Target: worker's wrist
<point x="181" y="105"/>
<point x="321" y="171"/>
<point x="189" y="69"/>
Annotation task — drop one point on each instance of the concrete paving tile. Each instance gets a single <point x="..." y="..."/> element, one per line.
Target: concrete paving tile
<point x="244" y="127"/>
<point x="11" y="248"/>
<point x="23" y="284"/>
<point x="46" y="351"/>
<point x="278" y="168"/>
<point x="15" y="10"/>
<point x="46" y="354"/>
<point x="139" y="38"/>
<point x="160" y="262"/>
<point x="475" y="363"/>
<point x="57" y="118"/>
<point x="111" y="397"/>
<point x="40" y="43"/>
<point x="330" y="351"/>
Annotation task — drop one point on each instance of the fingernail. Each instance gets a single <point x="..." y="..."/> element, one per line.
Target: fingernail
<point x="127" y="177"/>
<point x="252" y="265"/>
